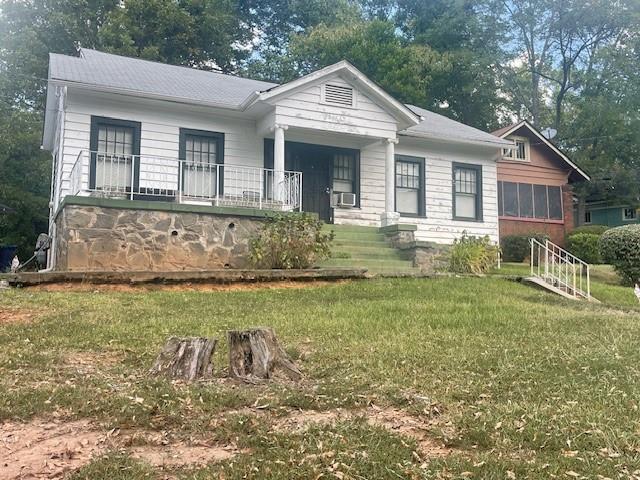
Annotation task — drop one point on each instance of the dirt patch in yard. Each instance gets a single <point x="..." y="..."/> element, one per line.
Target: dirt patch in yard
<point x="391" y="419"/>
<point x="39" y="450"/>
<point x="181" y="287"/>
<point x="16" y="315"/>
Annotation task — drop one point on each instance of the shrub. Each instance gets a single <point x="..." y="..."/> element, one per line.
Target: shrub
<point x="515" y="248"/>
<point x="620" y="247"/>
<point x="585" y="246"/>
<point x="592" y="229"/>
<point x="293" y="240"/>
<point x="473" y="255"/>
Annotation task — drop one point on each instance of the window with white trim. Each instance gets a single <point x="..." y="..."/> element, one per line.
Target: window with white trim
<point x="587" y="216"/>
<point x="467" y="192"/>
<point x="629" y="214"/>
<point x="410" y="198"/>
<point x="344" y="173"/>
<point x="519" y="152"/>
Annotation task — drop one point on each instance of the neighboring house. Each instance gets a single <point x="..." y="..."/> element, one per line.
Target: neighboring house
<point x="165" y="167"/>
<point x="612" y="214"/>
<point x="535" y="185"/>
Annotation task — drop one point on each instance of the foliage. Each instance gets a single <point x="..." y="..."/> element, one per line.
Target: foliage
<point x="516" y="248"/>
<point x="198" y="33"/>
<point x="403" y="70"/>
<point x="620" y="246"/>
<point x="24" y="180"/>
<point x="585" y="246"/>
<point x="293" y="240"/>
<point x="471" y="254"/>
<point x="593" y="229"/>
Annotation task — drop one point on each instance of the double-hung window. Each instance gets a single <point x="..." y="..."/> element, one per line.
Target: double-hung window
<point x="200" y="154"/>
<point x="344" y="173"/>
<point x="115" y="146"/>
<point x="410" y="194"/>
<point x="467" y="192"/>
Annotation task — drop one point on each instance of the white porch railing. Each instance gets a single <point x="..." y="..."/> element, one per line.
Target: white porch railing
<point x="560" y="269"/>
<point x="156" y="177"/>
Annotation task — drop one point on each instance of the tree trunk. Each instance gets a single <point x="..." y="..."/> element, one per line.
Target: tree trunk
<point x="255" y="355"/>
<point x="185" y="358"/>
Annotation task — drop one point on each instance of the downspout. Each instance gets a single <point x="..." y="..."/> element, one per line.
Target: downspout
<point x="56" y="177"/>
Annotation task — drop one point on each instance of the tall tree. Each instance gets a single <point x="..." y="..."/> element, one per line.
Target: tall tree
<point x="404" y="70"/>
<point x="550" y="45"/>
<point x="470" y="38"/>
<point x="208" y="34"/>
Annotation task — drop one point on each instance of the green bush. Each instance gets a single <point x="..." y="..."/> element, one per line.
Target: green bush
<point x="473" y="255"/>
<point x="515" y="248"/>
<point x="293" y="240"/>
<point x="585" y="246"/>
<point x="620" y="246"/>
<point x="592" y="229"/>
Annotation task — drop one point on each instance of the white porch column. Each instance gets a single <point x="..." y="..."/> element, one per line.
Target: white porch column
<point x="278" y="161"/>
<point x="390" y="216"/>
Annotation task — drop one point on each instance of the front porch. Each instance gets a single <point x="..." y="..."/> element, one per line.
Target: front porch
<point x="189" y="182"/>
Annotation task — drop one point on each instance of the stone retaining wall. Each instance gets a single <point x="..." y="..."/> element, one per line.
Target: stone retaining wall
<point x="429" y="257"/>
<point x="92" y="238"/>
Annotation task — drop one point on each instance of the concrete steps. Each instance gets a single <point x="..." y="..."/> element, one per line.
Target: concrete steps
<point x="365" y="247"/>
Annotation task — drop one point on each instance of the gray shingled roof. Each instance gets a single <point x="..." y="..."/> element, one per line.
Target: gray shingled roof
<point x="438" y="126"/>
<point x="227" y="91"/>
<point x="113" y="71"/>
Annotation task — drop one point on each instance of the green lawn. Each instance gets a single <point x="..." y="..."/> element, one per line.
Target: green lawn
<point x="518" y="382"/>
<point x="605" y="284"/>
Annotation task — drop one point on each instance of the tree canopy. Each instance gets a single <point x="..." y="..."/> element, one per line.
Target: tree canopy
<point x="570" y="65"/>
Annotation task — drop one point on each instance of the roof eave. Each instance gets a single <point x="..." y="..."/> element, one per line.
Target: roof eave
<point x="549" y="143"/>
<point x="141" y="94"/>
<point x="456" y="140"/>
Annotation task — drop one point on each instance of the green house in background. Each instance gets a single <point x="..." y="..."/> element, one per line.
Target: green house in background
<point x="604" y="213"/>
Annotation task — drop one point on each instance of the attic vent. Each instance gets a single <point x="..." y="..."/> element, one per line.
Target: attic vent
<point x="338" y="95"/>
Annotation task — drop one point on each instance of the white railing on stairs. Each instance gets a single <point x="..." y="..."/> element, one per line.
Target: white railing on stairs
<point x="560" y="269"/>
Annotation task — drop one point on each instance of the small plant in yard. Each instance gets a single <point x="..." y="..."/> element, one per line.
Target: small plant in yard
<point x="471" y="254"/>
<point x="293" y="240"/>
<point x="515" y="248"/>
<point x="620" y="247"/>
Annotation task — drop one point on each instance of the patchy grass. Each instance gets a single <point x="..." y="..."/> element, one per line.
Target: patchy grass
<point x="510" y="378"/>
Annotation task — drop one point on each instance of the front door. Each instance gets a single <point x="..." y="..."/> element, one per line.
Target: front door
<point x="315" y="165"/>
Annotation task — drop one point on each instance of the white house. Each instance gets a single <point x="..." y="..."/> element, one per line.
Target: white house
<point x="138" y="136"/>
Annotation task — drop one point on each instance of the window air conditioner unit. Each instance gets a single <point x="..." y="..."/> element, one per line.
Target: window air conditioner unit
<point x="347" y="199"/>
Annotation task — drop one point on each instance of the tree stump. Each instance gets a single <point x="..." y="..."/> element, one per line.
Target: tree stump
<point x="187" y="358"/>
<point x="255" y="355"/>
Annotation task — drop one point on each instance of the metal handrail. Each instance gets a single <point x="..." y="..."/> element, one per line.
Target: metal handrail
<point x="186" y="181"/>
<point x="560" y="268"/>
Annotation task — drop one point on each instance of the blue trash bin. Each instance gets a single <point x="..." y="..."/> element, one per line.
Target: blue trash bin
<point x="7" y="252"/>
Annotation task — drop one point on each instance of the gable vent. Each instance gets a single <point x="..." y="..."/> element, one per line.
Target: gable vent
<point x="338" y="95"/>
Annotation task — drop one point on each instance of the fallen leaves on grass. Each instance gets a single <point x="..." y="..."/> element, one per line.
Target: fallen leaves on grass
<point x="50" y="449"/>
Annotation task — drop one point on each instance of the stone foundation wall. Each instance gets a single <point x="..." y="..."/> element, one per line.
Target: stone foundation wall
<point x="94" y="238"/>
<point x="429" y="257"/>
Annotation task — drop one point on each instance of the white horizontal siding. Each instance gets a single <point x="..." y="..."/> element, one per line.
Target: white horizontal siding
<point x="159" y="135"/>
<point x="304" y="109"/>
<point x="438" y="224"/>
